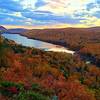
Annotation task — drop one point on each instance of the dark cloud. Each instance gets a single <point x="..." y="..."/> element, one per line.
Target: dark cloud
<point x="5" y="19"/>
<point x="10" y="5"/>
<point x="98" y="1"/>
<point x="40" y="3"/>
<point x="48" y="16"/>
<point x="97" y="14"/>
<point x="91" y="6"/>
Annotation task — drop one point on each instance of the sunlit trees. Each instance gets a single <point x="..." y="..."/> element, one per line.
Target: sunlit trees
<point x="45" y="75"/>
<point x="5" y="56"/>
<point x="74" y="90"/>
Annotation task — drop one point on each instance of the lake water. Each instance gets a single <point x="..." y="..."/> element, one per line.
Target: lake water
<point x="36" y="43"/>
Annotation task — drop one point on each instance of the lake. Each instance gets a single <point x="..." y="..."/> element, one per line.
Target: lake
<point x="36" y="43"/>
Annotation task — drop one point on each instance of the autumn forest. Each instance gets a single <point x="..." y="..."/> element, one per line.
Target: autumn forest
<point x="27" y="73"/>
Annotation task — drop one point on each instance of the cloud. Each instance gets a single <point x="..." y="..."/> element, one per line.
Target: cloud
<point x="97" y="14"/>
<point x="28" y="4"/>
<point x="49" y="17"/>
<point x="10" y="5"/>
<point x="91" y="6"/>
<point x="91" y="21"/>
<point x="65" y="6"/>
<point x="50" y="12"/>
<point x="98" y="2"/>
<point x="40" y="3"/>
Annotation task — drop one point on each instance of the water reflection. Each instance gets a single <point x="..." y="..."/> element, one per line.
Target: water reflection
<point x="35" y="43"/>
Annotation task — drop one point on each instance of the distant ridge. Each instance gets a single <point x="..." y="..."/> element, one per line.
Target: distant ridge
<point x="17" y="30"/>
<point x="74" y="38"/>
<point x="2" y="28"/>
<point x="39" y="32"/>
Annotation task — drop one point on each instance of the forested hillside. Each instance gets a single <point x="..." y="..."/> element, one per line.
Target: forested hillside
<point x="74" y="38"/>
<point x="86" y="41"/>
<point x="2" y="29"/>
<point x="33" y="74"/>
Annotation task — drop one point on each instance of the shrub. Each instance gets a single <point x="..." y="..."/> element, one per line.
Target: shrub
<point x="29" y="95"/>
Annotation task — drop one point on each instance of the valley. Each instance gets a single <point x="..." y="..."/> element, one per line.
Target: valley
<point x="45" y="71"/>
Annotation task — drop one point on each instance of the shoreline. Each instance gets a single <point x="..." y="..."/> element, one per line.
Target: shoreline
<point x="55" y="48"/>
<point x="51" y="42"/>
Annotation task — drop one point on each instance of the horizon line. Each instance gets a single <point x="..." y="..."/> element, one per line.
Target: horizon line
<point x="45" y="27"/>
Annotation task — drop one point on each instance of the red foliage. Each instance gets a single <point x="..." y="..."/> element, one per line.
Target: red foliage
<point x="12" y="90"/>
<point x="73" y="91"/>
<point x="27" y="87"/>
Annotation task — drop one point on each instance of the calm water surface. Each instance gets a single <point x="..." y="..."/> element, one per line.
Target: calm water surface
<point x="36" y="43"/>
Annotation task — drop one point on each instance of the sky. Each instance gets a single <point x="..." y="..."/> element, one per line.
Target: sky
<point x="49" y="13"/>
